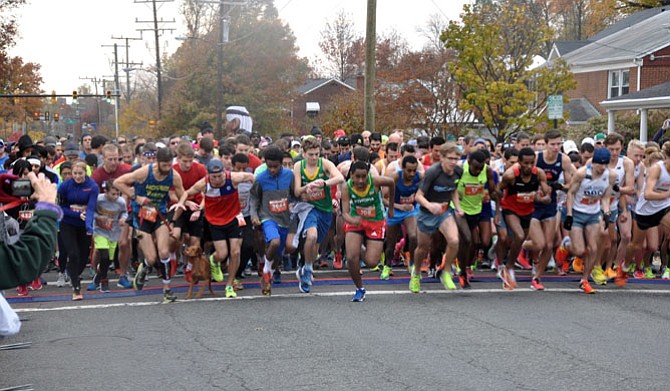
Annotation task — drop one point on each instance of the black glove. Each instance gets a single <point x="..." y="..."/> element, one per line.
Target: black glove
<point x="606" y="219"/>
<point x="567" y="224"/>
<point x="556" y="186"/>
<point x="616" y="187"/>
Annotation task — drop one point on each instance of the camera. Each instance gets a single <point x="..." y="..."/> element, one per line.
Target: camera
<point x="22" y="188"/>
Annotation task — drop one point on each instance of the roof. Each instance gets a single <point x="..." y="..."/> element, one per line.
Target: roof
<point x="581" y="110"/>
<point x="656" y="97"/>
<point x="628" y="21"/>
<point x="651" y="92"/>
<point x="625" y="42"/>
<point x="313" y="84"/>
<point x="565" y="47"/>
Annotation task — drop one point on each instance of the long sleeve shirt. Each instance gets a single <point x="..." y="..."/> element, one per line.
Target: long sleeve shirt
<point x="75" y="198"/>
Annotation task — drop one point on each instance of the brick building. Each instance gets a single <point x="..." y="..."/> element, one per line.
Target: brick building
<point x="314" y="99"/>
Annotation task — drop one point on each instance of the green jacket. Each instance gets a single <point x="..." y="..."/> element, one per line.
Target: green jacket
<point x="23" y="261"/>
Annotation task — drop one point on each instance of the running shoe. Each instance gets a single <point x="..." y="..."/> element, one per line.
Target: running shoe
<point x="169" y="296"/>
<point x="621" y="277"/>
<point x="230" y="292"/>
<point x="463" y="282"/>
<point x="266" y="284"/>
<point x="425" y="265"/>
<point x="649" y="273"/>
<point x="447" y="280"/>
<point x="93" y="286"/>
<point x="359" y="295"/>
<point x="415" y="284"/>
<point x="337" y="263"/>
<point x="638" y="273"/>
<point x="140" y="276"/>
<point x="562" y="253"/>
<point x="304" y="281"/>
<point x="598" y="275"/>
<point x="503" y="274"/>
<point x="386" y="273"/>
<point x="666" y="274"/>
<point x="523" y="261"/>
<point x="512" y="278"/>
<point x="610" y="273"/>
<point x="536" y="284"/>
<point x="215" y="268"/>
<point x="36" y="285"/>
<point x="124" y="283"/>
<point x="586" y="287"/>
<point x="628" y="268"/>
<point x="276" y="277"/>
<point x="104" y="286"/>
<point x="61" y="280"/>
<point x="77" y="296"/>
<point x="22" y="290"/>
<point x="562" y="268"/>
<point x="237" y="285"/>
<point x="578" y="265"/>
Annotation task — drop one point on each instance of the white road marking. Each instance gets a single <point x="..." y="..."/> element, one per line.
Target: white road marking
<point x="334" y="294"/>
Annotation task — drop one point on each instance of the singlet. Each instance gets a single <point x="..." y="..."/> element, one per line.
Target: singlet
<point x="222" y="204"/>
<point x="471" y="190"/>
<point x="367" y="204"/>
<point x="438" y="186"/>
<point x="587" y="198"/>
<point x="157" y="192"/>
<point x="404" y="194"/>
<point x="620" y="176"/>
<point x="646" y="207"/>
<point x="520" y="196"/>
<point x="553" y="172"/>
<point x="320" y="198"/>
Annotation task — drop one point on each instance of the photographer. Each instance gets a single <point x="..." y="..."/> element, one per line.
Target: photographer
<point x="23" y="261"/>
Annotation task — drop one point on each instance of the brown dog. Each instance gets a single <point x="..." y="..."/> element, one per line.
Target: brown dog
<point x="199" y="272"/>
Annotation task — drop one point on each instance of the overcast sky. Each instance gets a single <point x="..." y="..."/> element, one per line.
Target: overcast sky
<point x="66" y="37"/>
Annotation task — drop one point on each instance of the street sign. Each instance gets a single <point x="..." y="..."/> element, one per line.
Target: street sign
<point x="555" y="106"/>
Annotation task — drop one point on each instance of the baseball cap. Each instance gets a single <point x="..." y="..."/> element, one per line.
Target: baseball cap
<point x="340" y="133"/>
<point x="601" y="156"/>
<point x="588" y="140"/>
<point x="599" y="136"/>
<point x="214" y="166"/>
<point x="71" y="149"/>
<point x="295" y="143"/>
<point x="2" y="142"/>
<point x="480" y="141"/>
<point x="570" y="146"/>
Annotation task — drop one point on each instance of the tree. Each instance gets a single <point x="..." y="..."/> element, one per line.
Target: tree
<point x="342" y="46"/>
<point x="495" y="47"/>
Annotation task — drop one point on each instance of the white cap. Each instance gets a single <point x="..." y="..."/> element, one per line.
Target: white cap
<point x="589" y="140"/>
<point x="294" y="143"/>
<point x="570" y="146"/>
<point x="160" y="145"/>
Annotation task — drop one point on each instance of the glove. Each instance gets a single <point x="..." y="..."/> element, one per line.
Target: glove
<point x="616" y="187"/>
<point x="606" y="219"/>
<point x="567" y="224"/>
<point x="556" y="186"/>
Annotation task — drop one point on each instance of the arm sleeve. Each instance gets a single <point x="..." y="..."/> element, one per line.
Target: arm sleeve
<point x="23" y="261"/>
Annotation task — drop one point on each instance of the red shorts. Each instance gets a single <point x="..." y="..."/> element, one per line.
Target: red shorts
<point x="373" y="230"/>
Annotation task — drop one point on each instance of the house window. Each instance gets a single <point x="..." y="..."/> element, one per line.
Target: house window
<point x="619" y="83"/>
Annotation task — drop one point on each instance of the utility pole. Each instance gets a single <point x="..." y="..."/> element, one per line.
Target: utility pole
<point x="157" y="32"/>
<point x="370" y="44"/>
<point x="127" y="69"/>
<point x="95" y="82"/>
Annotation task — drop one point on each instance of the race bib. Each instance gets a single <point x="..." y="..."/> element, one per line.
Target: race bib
<point x="486" y="197"/>
<point x="590" y="200"/>
<point x="472" y="190"/>
<point x="279" y="206"/>
<point x="106" y="224"/>
<point x="407" y="200"/>
<point x="317" y="194"/>
<point x="25" y="215"/>
<point x="244" y="202"/>
<point x="148" y="213"/>
<point x="525" y="198"/>
<point x="365" y="212"/>
<point x="240" y="220"/>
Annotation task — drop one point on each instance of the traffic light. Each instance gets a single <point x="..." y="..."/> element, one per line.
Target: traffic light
<point x="152" y="124"/>
<point x="36" y="116"/>
<point x="109" y="95"/>
<point x="56" y="117"/>
<point x="46" y="115"/>
<point x="53" y="97"/>
<point x="75" y="96"/>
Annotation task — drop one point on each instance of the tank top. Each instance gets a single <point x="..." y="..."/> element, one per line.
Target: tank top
<point x="646" y="207"/>
<point x="620" y="175"/>
<point x="222" y="204"/>
<point x="156" y="191"/>
<point x="471" y="190"/>
<point x="366" y="204"/>
<point x="587" y="198"/>
<point x="553" y="171"/>
<point x="320" y="198"/>
<point x="404" y="194"/>
<point x="520" y="196"/>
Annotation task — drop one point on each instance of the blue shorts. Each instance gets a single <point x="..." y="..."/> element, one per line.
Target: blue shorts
<point x="545" y="212"/>
<point x="429" y="223"/>
<point x="614" y="215"/>
<point x="272" y="231"/>
<point x="487" y="212"/>
<point x="400" y="216"/>
<point x="581" y="220"/>
<point x="320" y="220"/>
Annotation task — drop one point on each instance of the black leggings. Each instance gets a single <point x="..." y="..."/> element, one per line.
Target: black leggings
<point x="78" y="246"/>
<point x="62" y="254"/>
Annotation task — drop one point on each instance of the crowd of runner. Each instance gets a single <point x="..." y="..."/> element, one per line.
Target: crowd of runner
<point x="437" y="208"/>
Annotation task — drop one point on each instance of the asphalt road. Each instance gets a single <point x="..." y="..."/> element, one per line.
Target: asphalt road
<point x="484" y="338"/>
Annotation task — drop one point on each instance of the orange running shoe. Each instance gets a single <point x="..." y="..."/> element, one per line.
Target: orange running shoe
<point x="586" y="287"/>
<point x="523" y="260"/>
<point x="337" y="262"/>
<point x="561" y="256"/>
<point x="610" y="273"/>
<point x="621" y="277"/>
<point x="425" y="265"/>
<point x="578" y="265"/>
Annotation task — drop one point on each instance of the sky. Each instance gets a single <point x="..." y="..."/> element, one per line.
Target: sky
<point x="72" y="39"/>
